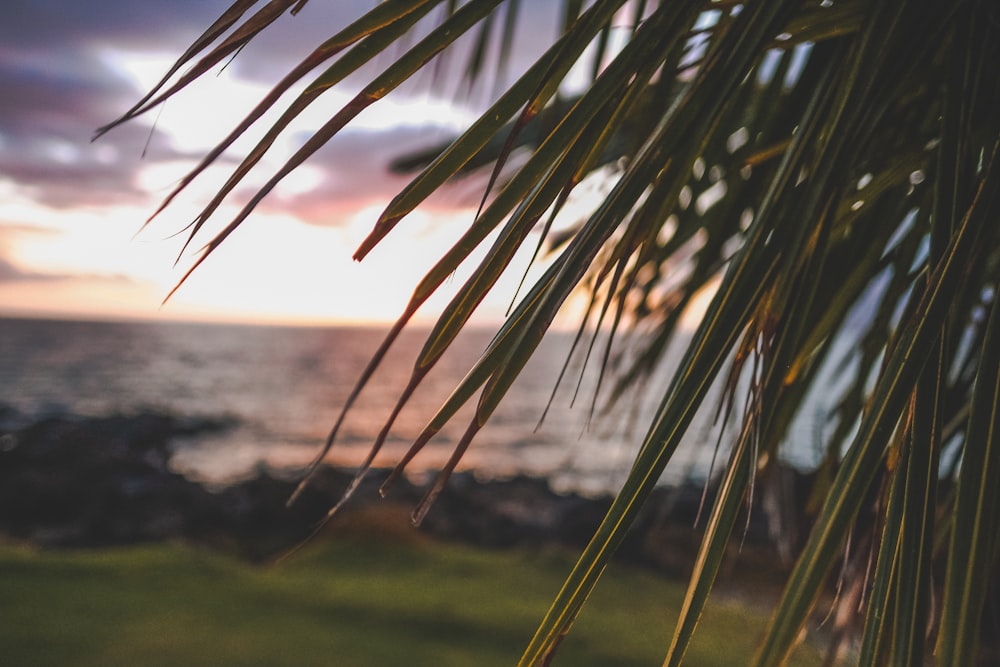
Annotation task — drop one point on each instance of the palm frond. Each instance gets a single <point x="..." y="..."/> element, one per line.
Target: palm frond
<point x="828" y="168"/>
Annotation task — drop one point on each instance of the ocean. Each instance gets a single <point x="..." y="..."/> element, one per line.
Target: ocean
<point x="280" y="389"/>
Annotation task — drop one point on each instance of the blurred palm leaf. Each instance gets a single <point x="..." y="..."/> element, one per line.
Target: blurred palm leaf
<point x="827" y="167"/>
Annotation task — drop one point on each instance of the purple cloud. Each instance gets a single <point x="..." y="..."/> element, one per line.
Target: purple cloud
<point x="58" y="87"/>
<point x="9" y="273"/>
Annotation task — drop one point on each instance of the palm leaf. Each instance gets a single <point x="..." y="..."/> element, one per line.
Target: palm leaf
<point x="829" y="166"/>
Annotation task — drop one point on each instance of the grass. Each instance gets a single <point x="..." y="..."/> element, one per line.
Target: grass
<point x="352" y="601"/>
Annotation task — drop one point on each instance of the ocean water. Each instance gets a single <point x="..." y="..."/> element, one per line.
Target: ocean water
<point x="281" y="389"/>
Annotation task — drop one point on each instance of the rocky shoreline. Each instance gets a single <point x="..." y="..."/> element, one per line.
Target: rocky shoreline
<point x="105" y="481"/>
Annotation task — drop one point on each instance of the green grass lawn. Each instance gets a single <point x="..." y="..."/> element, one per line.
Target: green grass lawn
<point x="345" y="602"/>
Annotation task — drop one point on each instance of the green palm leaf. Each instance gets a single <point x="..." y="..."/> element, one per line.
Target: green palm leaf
<point x="828" y="167"/>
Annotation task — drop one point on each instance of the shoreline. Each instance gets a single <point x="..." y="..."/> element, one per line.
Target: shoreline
<point x="106" y="481"/>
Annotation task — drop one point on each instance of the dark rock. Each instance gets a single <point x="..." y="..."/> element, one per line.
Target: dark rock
<point x="68" y="481"/>
<point x="79" y="482"/>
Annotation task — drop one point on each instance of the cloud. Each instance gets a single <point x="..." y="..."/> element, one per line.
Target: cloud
<point x="351" y="172"/>
<point x="11" y="273"/>
<point x="269" y="56"/>
<point x="42" y="24"/>
<point x="68" y="67"/>
<point x="58" y="88"/>
<point x="14" y="272"/>
<point x="59" y="85"/>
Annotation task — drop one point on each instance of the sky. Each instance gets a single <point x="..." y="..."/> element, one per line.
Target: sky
<point x="72" y="239"/>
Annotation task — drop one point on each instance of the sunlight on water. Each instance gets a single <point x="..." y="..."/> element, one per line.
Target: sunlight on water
<point x="281" y="388"/>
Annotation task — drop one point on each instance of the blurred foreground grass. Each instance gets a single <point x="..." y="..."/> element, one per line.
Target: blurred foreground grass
<point x="352" y="601"/>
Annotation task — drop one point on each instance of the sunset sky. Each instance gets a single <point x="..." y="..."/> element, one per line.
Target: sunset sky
<point x="70" y="209"/>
